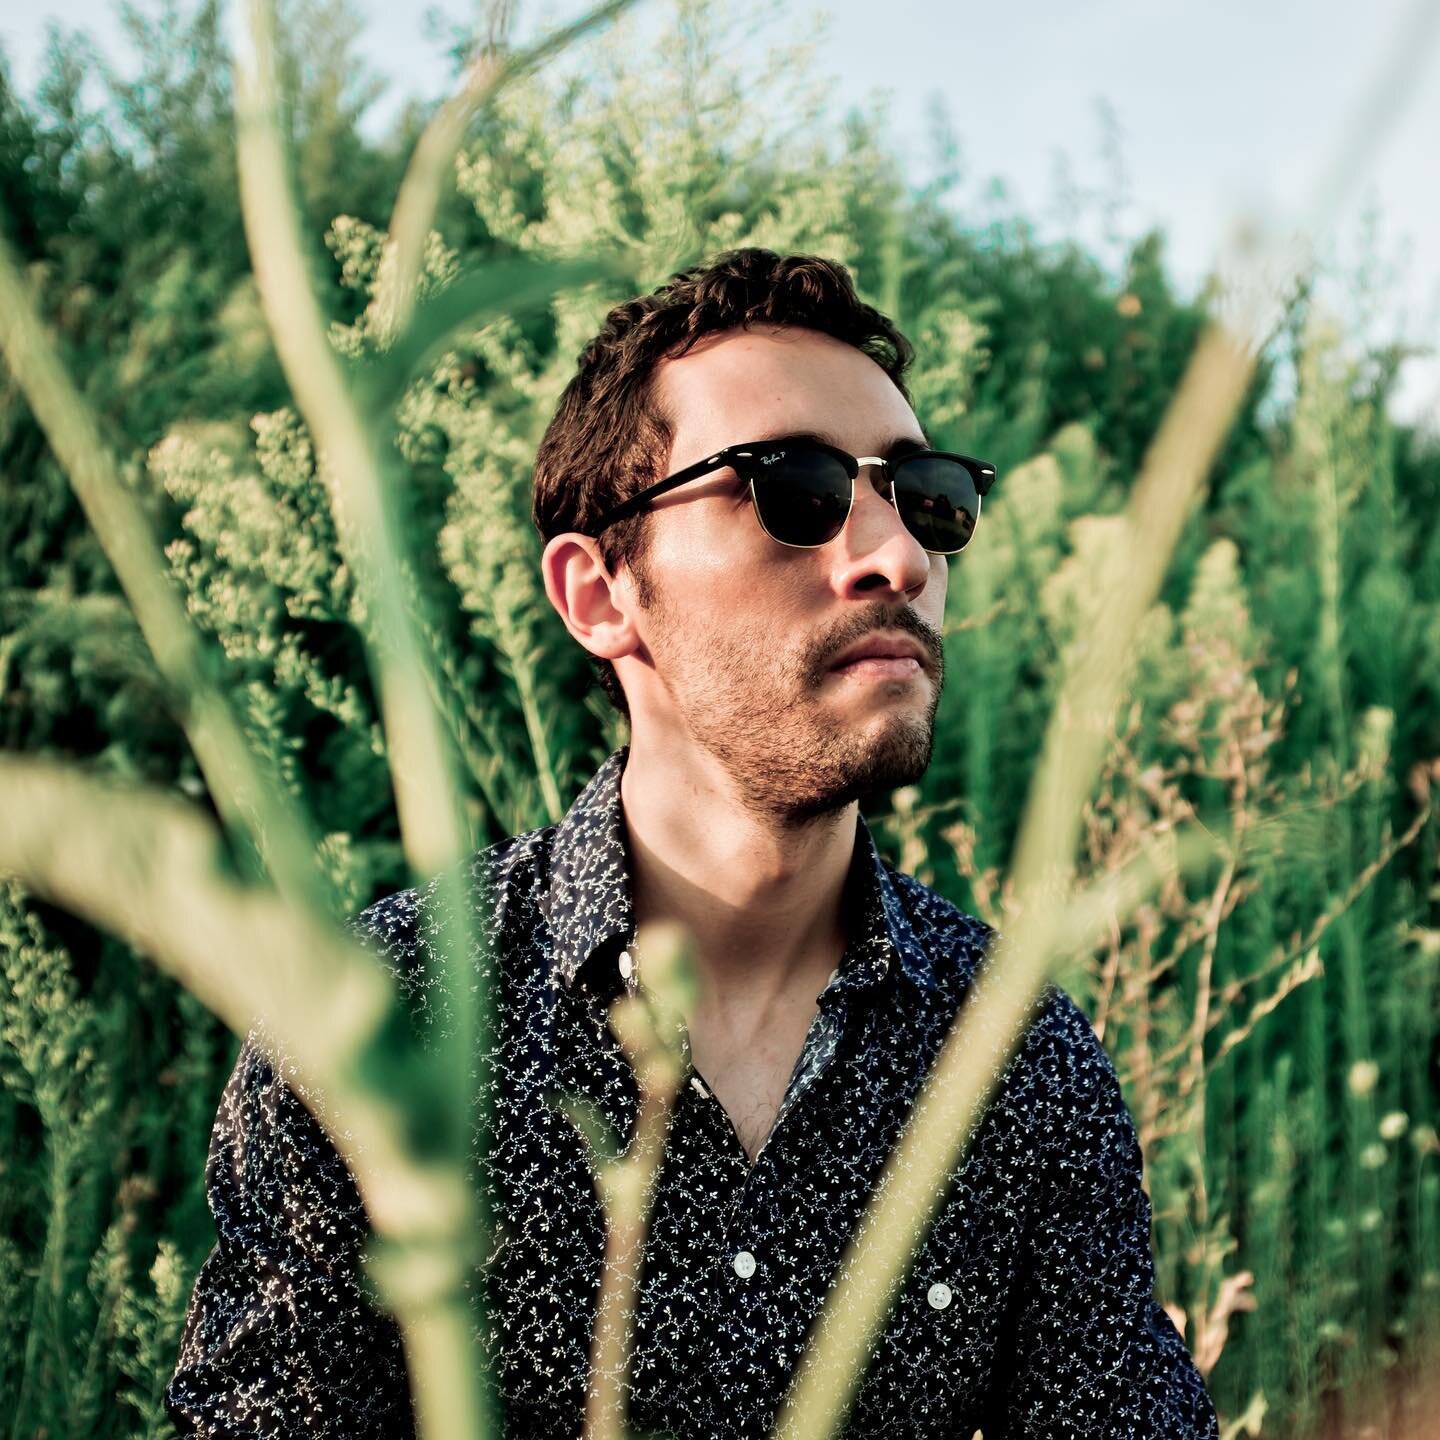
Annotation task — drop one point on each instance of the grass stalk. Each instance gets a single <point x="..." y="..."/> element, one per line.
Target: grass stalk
<point x="645" y="1023"/>
<point x="366" y="518"/>
<point x="432" y="826"/>
<point x="429" y="168"/>
<point x="523" y="672"/>
<point x="149" y="869"/>
<point x="251" y="801"/>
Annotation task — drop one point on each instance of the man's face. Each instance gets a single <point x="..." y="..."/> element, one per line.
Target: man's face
<point x="744" y="632"/>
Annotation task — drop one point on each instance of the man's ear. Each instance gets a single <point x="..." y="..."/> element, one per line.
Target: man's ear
<point x="593" y="603"/>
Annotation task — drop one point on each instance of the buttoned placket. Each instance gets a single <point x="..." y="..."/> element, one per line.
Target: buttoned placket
<point x="742" y="1287"/>
<point x="746" y="1342"/>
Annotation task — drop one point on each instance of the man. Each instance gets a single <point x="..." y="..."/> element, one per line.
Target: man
<point x="770" y="622"/>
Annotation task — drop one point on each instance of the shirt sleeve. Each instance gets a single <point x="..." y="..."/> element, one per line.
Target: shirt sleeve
<point x="1095" y="1354"/>
<point x="280" y="1340"/>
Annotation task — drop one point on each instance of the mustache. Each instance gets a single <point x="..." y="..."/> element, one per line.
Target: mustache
<point x="880" y="618"/>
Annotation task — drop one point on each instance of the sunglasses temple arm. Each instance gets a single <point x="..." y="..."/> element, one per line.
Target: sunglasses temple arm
<point x="638" y="502"/>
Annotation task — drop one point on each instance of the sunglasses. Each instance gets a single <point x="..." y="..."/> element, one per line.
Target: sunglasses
<point x="803" y="491"/>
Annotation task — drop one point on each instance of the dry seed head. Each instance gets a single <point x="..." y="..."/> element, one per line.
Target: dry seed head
<point x="666" y="968"/>
<point x="630" y="1020"/>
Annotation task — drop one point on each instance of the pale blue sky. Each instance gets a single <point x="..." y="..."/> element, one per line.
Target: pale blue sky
<point x="1221" y="106"/>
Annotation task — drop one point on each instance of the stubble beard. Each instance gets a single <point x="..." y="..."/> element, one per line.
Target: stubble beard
<point x="785" y="746"/>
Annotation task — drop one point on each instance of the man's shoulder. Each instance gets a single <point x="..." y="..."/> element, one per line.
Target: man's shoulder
<point x="503" y="877"/>
<point x="954" y="941"/>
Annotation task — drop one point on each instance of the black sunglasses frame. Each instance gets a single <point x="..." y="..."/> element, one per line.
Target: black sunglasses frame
<point x="742" y="459"/>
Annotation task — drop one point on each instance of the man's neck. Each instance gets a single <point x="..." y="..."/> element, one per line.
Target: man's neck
<point x="762" y="901"/>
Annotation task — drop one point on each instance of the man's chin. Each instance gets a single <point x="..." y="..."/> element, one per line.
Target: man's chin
<point x="873" y="769"/>
<point x="899" y="756"/>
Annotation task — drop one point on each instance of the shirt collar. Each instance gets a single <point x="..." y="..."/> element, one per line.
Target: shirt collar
<point x="588" y="897"/>
<point x="588" y="907"/>
<point x="883" y="928"/>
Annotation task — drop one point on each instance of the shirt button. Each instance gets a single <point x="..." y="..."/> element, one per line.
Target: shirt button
<point x="627" y="965"/>
<point x="698" y="1086"/>
<point x="939" y="1296"/>
<point x="744" y="1264"/>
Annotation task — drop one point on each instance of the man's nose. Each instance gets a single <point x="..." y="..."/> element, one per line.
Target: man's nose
<point x="875" y="543"/>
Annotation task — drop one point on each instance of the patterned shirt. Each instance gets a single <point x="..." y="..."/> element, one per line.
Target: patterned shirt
<point x="1028" y="1309"/>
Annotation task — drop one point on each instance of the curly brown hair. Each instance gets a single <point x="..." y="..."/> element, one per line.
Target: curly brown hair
<point x="608" y="439"/>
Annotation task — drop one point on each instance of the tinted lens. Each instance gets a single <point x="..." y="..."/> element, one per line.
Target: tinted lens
<point x="801" y="496"/>
<point x="938" y="502"/>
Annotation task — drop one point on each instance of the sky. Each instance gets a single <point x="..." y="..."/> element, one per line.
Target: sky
<point x="1216" y="110"/>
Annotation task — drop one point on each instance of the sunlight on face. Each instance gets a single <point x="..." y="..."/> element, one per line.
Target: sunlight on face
<point x="744" y="631"/>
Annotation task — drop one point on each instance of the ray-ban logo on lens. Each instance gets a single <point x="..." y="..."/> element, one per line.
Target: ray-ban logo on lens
<point x="771" y="459"/>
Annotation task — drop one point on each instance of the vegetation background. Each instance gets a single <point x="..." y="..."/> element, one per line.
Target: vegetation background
<point x="1275" y="1018"/>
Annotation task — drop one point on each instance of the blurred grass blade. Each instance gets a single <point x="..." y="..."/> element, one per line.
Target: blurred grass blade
<point x="429" y="168"/>
<point x="152" y="870"/>
<point x="433" y="829"/>
<point x="644" y="1022"/>
<point x="452" y="1396"/>
<point x="430" y="819"/>
<point x="251" y="801"/>
<point x="1380" y="105"/>
<point x="505" y="287"/>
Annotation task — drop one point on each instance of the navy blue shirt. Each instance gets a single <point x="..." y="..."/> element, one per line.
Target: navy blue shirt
<point x="1029" y="1308"/>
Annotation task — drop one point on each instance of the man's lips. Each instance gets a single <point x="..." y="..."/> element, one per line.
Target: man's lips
<point x="891" y="647"/>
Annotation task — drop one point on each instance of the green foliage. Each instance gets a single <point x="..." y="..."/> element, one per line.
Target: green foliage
<point x="1286" y="690"/>
<point x="98" y="1176"/>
